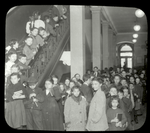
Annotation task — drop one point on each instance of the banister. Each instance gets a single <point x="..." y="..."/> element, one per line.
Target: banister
<point x="46" y="52"/>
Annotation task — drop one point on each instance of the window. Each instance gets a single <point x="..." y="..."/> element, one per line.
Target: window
<point x="126" y="54"/>
<point x="126" y="48"/>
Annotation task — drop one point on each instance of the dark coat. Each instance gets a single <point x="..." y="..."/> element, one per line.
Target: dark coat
<point x="52" y="119"/>
<point x="87" y="92"/>
<point x="32" y="105"/>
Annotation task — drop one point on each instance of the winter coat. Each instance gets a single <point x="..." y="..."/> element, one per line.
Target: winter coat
<point x="75" y="114"/>
<point x="97" y="119"/>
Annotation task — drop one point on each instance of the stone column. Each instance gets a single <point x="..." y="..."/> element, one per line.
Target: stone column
<point x="105" y="39"/>
<point x="77" y="40"/>
<point x="96" y="36"/>
<point x="110" y="44"/>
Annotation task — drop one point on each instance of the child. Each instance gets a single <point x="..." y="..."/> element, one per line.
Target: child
<point x="86" y="90"/>
<point x="124" y="82"/>
<point x="12" y="57"/>
<point x="75" y="111"/>
<point x="52" y="119"/>
<point x="117" y="83"/>
<point x="128" y="105"/>
<point x="57" y="94"/>
<point x="40" y="38"/>
<point x="67" y="82"/>
<point x="112" y="92"/>
<point x="115" y="116"/>
<point x="13" y="46"/>
<point x="28" y="51"/>
<point x="33" y="106"/>
<point x="15" y="94"/>
<point x="97" y="119"/>
<point x="49" y="29"/>
<point x="133" y="99"/>
<point x="34" y="33"/>
<point x="22" y="59"/>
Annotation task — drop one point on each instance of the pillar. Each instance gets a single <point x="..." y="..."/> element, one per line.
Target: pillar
<point x="77" y="40"/>
<point x="105" y="39"/>
<point x="110" y="44"/>
<point x="96" y="36"/>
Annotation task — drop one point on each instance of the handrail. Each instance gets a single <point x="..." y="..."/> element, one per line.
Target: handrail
<point x="45" y="53"/>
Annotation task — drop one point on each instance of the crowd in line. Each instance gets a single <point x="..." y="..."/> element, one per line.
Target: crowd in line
<point x="102" y="100"/>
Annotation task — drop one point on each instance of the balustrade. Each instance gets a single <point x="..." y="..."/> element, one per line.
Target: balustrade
<point x="45" y="52"/>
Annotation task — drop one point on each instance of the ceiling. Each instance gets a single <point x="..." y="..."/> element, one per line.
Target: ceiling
<point x="123" y="19"/>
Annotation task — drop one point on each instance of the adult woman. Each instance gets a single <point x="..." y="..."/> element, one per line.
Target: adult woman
<point x="52" y="119"/>
<point x="97" y="120"/>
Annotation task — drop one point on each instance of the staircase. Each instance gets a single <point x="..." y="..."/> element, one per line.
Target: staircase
<point x="48" y="55"/>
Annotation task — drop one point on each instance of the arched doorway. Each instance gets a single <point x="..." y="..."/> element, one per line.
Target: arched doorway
<point x="126" y="55"/>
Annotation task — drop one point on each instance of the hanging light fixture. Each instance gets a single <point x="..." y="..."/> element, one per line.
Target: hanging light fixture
<point x="139" y="13"/>
<point x="135" y="35"/>
<point x="134" y="40"/>
<point x="137" y="27"/>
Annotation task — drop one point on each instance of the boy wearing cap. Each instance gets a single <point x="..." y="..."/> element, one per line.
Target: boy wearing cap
<point x="33" y="106"/>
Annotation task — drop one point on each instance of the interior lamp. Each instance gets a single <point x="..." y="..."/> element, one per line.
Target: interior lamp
<point x="137" y="27"/>
<point x="134" y="40"/>
<point x="139" y="13"/>
<point x="135" y="35"/>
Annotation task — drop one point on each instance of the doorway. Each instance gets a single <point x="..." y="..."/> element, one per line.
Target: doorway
<point x="126" y="55"/>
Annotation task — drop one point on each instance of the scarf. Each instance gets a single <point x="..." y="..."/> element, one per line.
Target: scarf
<point x="77" y="99"/>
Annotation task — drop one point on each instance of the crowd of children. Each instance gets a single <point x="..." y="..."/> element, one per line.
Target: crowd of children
<point x="109" y="99"/>
<point x="39" y="28"/>
<point x="104" y="100"/>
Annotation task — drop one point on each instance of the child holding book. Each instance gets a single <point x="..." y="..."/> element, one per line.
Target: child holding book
<point x="115" y="116"/>
<point x="15" y="96"/>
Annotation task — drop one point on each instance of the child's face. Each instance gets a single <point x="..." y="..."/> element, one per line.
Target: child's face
<point x="131" y="79"/>
<point x="34" y="32"/>
<point x="67" y="82"/>
<point x="76" y="92"/>
<point x="113" y="91"/>
<point x="61" y="87"/>
<point x="77" y="76"/>
<point x="116" y="79"/>
<point x="123" y="73"/>
<point x="13" y="57"/>
<point x="16" y="45"/>
<point x="114" y="103"/>
<point x="137" y="80"/>
<point x="120" y="95"/>
<point x="55" y="81"/>
<point x="29" y="41"/>
<point x="14" y="79"/>
<point x="71" y="84"/>
<point x="14" y="70"/>
<point x="142" y="75"/>
<point x="48" y="85"/>
<point x="123" y="82"/>
<point x="42" y="32"/>
<point x="131" y="86"/>
<point x="125" y="92"/>
<point x="23" y="60"/>
<point x="96" y="85"/>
